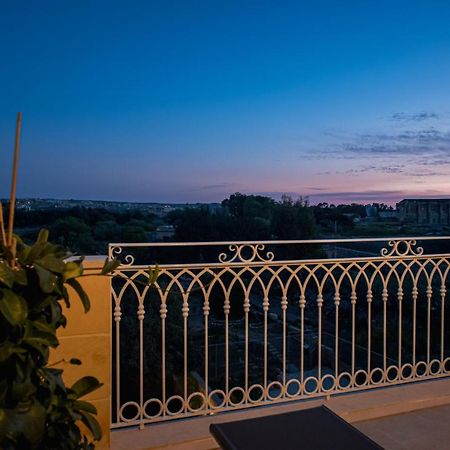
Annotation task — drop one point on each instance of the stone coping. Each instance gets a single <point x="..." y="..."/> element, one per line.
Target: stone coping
<point x="193" y="433"/>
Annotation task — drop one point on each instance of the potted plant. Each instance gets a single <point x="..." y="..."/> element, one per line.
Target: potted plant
<point x="37" y="409"/>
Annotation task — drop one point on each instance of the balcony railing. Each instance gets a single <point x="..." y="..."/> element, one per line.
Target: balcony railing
<point x="232" y="325"/>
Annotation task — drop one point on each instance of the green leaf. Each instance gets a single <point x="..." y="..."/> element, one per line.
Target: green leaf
<point x="51" y="263"/>
<point x="8" y="348"/>
<point x="6" y="274"/>
<point x="13" y="307"/>
<point x="81" y="405"/>
<point x="44" y="326"/>
<point x="24" y="424"/>
<point x="47" y="280"/>
<point x="36" y="337"/>
<point x="153" y="275"/>
<point x="47" y="339"/>
<point x="42" y="236"/>
<point x="65" y="297"/>
<point x="22" y="254"/>
<point x="35" y="252"/>
<point x="20" y="277"/>
<point x="92" y="424"/>
<point x="85" y="386"/>
<point x="73" y="269"/>
<point x="80" y="291"/>
<point x="110" y="266"/>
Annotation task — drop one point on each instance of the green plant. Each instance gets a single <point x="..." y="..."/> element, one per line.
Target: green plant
<point x="37" y="410"/>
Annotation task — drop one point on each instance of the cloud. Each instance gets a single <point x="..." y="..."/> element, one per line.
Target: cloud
<point x="279" y="194"/>
<point x="425" y="174"/>
<point x="414" y="117"/>
<point x="408" y="142"/>
<point x="365" y="194"/>
<point x="224" y="185"/>
<point x="397" y="152"/>
<point x="399" y="168"/>
<point x="387" y="196"/>
<point x="370" y="196"/>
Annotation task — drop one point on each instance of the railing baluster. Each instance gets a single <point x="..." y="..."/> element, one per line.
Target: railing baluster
<point x="246" y="313"/>
<point x="284" y="304"/>
<point x="415" y="294"/>
<point x="226" y="309"/>
<point x="185" y="312"/>
<point x="429" y="294"/>
<point x="265" y="306"/>
<point x="337" y="300"/>
<point x="400" y="303"/>
<point x="141" y="314"/>
<point x="302" y="304"/>
<point x="163" y="315"/>
<point x="369" y="297"/>
<point x="384" y="299"/>
<point x="117" y="317"/>
<point x="443" y="292"/>
<point x="319" y="336"/>
<point x="206" y="310"/>
<point x="353" y="303"/>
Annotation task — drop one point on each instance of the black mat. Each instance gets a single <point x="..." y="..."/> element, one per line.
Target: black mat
<point x="308" y="429"/>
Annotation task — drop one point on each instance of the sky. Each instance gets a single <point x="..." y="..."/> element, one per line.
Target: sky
<point x="191" y="101"/>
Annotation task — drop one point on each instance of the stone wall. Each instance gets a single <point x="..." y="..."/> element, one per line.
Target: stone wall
<point x="88" y="338"/>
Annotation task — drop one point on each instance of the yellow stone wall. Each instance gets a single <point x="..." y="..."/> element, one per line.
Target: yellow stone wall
<point x="88" y="338"/>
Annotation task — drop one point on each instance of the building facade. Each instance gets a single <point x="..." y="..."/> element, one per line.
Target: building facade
<point x="424" y="211"/>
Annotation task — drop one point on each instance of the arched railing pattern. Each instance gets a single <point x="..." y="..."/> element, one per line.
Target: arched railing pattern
<point x="249" y="329"/>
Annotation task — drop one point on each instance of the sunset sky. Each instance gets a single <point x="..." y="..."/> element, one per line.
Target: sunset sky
<point x="194" y="100"/>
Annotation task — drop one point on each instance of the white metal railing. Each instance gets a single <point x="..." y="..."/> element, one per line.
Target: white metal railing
<point x="230" y="325"/>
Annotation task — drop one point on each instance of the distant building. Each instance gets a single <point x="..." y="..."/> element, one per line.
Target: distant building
<point x="424" y="211"/>
<point x="371" y="211"/>
<point x="388" y="215"/>
<point x="355" y="218"/>
<point x="164" y="233"/>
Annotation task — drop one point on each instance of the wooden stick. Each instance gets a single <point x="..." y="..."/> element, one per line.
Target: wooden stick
<point x="13" y="249"/>
<point x="12" y="200"/>
<point x="2" y="226"/>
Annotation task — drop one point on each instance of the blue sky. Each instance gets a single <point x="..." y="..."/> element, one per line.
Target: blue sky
<point x="194" y="100"/>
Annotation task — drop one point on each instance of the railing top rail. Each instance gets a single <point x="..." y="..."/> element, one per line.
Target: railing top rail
<point x="278" y="242"/>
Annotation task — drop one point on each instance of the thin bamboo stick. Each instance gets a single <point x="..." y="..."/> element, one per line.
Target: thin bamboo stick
<point x="2" y="226"/>
<point x="12" y="202"/>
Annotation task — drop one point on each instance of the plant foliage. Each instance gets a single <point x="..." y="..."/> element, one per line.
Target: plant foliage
<point x="37" y="410"/>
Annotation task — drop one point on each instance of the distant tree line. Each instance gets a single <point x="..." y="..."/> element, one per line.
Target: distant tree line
<point x="87" y="230"/>
<point x="241" y="217"/>
<point x="256" y="217"/>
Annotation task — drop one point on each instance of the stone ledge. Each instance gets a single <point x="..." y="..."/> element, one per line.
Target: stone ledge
<point x="190" y="434"/>
<point x="400" y="399"/>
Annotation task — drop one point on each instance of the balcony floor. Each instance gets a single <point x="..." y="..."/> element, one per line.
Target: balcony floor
<point x="410" y="416"/>
<point x="424" y="429"/>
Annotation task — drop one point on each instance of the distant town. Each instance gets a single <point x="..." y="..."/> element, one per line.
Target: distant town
<point x="159" y="209"/>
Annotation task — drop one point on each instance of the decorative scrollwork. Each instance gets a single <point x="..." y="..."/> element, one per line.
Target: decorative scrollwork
<point x="246" y="253"/>
<point x="126" y="260"/>
<point x="402" y="248"/>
